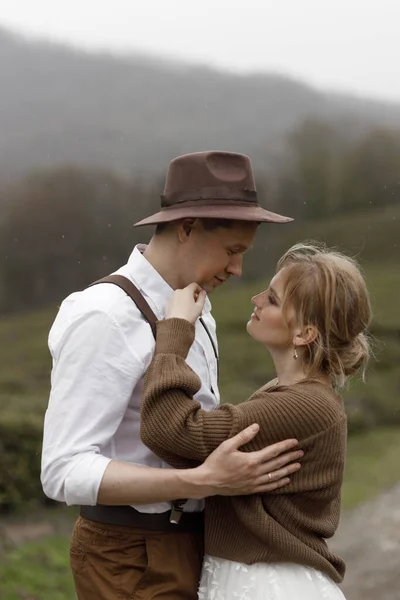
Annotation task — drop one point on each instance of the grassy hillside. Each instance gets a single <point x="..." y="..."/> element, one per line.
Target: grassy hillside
<point x="371" y="235"/>
<point x="25" y="364"/>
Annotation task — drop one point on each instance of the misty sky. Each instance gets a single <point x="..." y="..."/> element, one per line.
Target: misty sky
<point x="350" y="45"/>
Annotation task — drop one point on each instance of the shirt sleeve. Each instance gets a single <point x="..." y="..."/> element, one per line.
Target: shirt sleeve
<point x="172" y="424"/>
<point x="92" y="384"/>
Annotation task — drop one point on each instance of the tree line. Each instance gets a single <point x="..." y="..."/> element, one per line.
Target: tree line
<point x="62" y="228"/>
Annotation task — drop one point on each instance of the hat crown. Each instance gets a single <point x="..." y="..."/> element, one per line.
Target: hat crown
<point x="209" y="173"/>
<point x="211" y="185"/>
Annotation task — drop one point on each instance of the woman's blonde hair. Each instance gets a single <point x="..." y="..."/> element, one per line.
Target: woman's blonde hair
<point x="327" y="290"/>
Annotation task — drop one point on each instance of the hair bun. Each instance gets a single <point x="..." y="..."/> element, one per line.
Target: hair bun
<point x="355" y="354"/>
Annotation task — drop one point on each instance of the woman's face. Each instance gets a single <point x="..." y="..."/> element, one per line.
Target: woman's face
<point x="267" y="323"/>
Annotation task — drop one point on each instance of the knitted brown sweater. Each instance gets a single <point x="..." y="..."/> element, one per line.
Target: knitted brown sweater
<point x="289" y="525"/>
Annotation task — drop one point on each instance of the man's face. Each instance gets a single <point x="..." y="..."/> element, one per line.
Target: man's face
<point x="210" y="257"/>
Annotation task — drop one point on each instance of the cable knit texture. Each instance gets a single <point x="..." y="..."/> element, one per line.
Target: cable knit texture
<point x="289" y="525"/>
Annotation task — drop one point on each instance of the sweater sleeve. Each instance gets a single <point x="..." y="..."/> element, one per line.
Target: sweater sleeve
<point x="173" y="425"/>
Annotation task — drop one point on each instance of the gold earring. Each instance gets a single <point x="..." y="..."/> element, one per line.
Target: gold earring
<point x="295" y="355"/>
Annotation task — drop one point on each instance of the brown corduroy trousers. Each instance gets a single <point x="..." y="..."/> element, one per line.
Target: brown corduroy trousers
<point x="110" y="562"/>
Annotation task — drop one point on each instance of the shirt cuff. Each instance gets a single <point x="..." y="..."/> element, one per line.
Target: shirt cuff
<point x="174" y="336"/>
<point x="83" y="482"/>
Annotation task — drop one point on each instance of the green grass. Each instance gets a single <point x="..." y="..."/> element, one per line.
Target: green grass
<point x="39" y="570"/>
<point x="24" y="360"/>
<point x="384" y="285"/>
<point x="372" y="465"/>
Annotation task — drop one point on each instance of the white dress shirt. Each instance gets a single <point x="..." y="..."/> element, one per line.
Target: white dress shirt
<point x="101" y="346"/>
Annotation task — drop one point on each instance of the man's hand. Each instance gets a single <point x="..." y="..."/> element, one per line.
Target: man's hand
<point x="229" y="472"/>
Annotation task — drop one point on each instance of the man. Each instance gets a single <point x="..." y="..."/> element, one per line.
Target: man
<point x="127" y="543"/>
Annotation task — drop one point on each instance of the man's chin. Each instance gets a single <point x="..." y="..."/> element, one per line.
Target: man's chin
<point x="209" y="288"/>
<point x="212" y="285"/>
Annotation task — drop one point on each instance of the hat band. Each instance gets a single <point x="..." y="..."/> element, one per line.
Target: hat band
<point x="233" y="203"/>
<point x="209" y="195"/>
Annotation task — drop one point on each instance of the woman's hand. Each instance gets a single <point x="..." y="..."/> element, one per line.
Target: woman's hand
<point x="186" y="304"/>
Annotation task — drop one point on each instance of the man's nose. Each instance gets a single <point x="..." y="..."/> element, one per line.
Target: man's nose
<point x="235" y="266"/>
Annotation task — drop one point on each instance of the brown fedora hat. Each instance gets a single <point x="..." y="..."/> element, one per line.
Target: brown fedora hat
<point x="213" y="185"/>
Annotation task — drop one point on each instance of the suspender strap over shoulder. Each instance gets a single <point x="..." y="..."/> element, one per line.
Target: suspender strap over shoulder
<point x="131" y="290"/>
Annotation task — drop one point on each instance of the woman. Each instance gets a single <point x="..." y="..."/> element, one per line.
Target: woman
<point x="313" y="319"/>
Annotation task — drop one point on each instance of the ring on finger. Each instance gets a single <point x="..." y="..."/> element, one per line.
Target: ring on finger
<point x="269" y="476"/>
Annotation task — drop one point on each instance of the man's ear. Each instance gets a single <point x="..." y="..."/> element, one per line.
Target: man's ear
<point x="306" y="336"/>
<point x="185" y="228"/>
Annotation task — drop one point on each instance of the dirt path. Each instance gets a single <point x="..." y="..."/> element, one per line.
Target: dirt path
<point x="368" y="539"/>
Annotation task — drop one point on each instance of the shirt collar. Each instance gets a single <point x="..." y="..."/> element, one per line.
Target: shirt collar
<point x="151" y="282"/>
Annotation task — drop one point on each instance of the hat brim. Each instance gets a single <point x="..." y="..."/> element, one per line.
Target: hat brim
<point x="256" y="214"/>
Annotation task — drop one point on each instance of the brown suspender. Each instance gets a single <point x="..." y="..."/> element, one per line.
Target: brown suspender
<point x="132" y="291"/>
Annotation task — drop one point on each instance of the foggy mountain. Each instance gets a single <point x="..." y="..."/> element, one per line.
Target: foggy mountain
<point x="133" y="114"/>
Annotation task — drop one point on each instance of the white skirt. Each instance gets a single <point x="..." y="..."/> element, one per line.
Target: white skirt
<point x="226" y="580"/>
